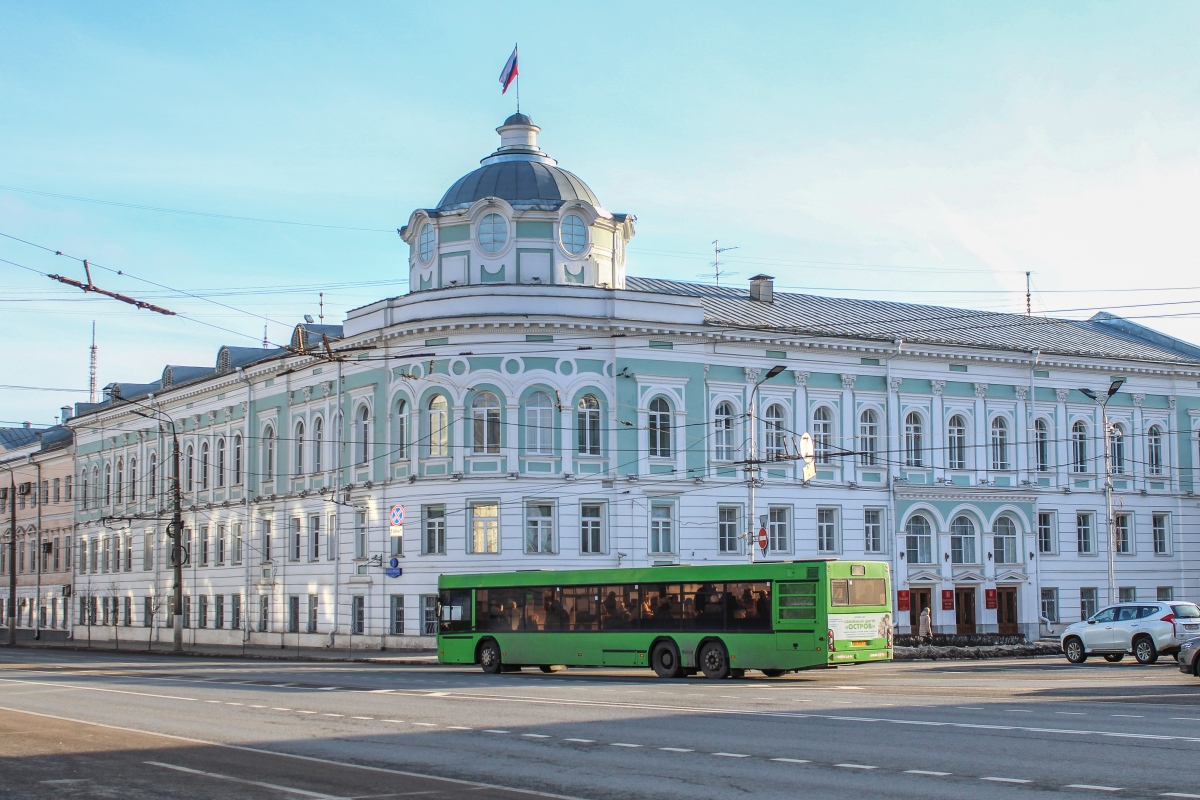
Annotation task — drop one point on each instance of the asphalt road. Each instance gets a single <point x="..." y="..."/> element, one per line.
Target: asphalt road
<point x="153" y="726"/>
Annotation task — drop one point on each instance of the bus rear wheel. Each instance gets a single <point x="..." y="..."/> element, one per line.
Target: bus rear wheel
<point x="489" y="656"/>
<point x="714" y="661"/>
<point x="664" y="658"/>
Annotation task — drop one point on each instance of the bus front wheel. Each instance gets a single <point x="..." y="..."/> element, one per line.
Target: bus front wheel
<point x="664" y="658"/>
<point x="489" y="656"/>
<point x="714" y="661"/>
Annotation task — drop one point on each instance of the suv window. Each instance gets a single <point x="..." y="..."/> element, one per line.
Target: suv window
<point x="1106" y="615"/>
<point x="1187" y="610"/>
<point x="1149" y="611"/>
<point x="1125" y="613"/>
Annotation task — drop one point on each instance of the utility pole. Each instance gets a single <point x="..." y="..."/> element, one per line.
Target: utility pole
<point x="12" y="559"/>
<point x="752" y="463"/>
<point x="176" y="532"/>
<point x="1108" y="486"/>
<point x="92" y="396"/>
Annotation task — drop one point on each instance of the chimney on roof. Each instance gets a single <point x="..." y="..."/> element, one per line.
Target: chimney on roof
<point x="26" y="424"/>
<point x="762" y="289"/>
<point x="67" y="413"/>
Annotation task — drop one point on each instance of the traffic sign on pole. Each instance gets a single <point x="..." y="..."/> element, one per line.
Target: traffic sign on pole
<point x="762" y="540"/>
<point x="397" y="515"/>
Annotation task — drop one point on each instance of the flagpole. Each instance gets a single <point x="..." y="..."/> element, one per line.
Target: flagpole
<point x="518" y="78"/>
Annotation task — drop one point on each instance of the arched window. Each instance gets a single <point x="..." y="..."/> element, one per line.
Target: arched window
<point x="219" y="468"/>
<point x="962" y="540"/>
<point x="401" y="440"/>
<point x="189" y="468"/>
<point x="1004" y="541"/>
<point x="773" y="427"/>
<point x="1079" y="446"/>
<point x="914" y="440"/>
<point x="269" y="453"/>
<point x="822" y="433"/>
<point x="133" y="480"/>
<point x="1041" y="444"/>
<point x="1154" y="450"/>
<point x="318" y="444"/>
<point x="237" y="460"/>
<point x="1116" y="449"/>
<point x="539" y="424"/>
<point x="723" y="419"/>
<point x="425" y="242"/>
<point x="364" y="429"/>
<point x="204" y="465"/>
<point x="868" y="438"/>
<point x="660" y="428"/>
<point x="119" y="483"/>
<point x="439" y="443"/>
<point x="587" y="425"/>
<point x="152" y="478"/>
<point x="298" y="464"/>
<point x="1000" y="444"/>
<point x="485" y="423"/>
<point x="84" y="485"/>
<point x="956" y="443"/>
<point x="918" y="535"/>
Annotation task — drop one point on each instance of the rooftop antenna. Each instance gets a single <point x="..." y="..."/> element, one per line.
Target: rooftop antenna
<point x="92" y="398"/>
<point x="716" y="262"/>
<point x="1027" y="304"/>
<point x="321" y="316"/>
<point x="266" y="342"/>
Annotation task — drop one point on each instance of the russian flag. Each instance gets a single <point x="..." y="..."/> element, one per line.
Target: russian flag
<point x="509" y="73"/>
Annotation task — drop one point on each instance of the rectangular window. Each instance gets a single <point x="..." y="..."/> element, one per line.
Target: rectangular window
<point x="1123" y="533"/>
<point x="397" y="617"/>
<point x="827" y="530"/>
<point x="264" y="613"/>
<point x="434" y="541"/>
<point x="662" y="527"/>
<point x="293" y="613"/>
<point x="485" y="528"/>
<point x="873" y="530"/>
<point x="312" y="613"/>
<point x="147" y="611"/>
<point x="148" y="549"/>
<point x="236" y="545"/>
<point x="202" y="611"/>
<point x="539" y="527"/>
<point x="294" y="539"/>
<point x="57" y="490"/>
<point x="219" y="611"/>
<point x="429" y="620"/>
<point x="264" y="544"/>
<point x="591" y="528"/>
<point x="779" y="529"/>
<point x="235" y="611"/>
<point x="314" y="537"/>
<point x="360" y="534"/>
<point x="1127" y="594"/>
<point x="1165" y="594"/>
<point x="1050" y="605"/>
<point x="221" y="545"/>
<point x="1085" y="541"/>
<point x="1046" y="536"/>
<point x="187" y="611"/>
<point x="1087" y="602"/>
<point x="396" y="540"/>
<point x="331" y="537"/>
<point x="203" y="541"/>
<point x="358" y="614"/>
<point x="127" y="611"/>
<point x="728" y="528"/>
<point x="1161" y="524"/>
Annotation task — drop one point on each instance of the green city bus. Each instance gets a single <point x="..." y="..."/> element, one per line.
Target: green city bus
<point x="721" y="620"/>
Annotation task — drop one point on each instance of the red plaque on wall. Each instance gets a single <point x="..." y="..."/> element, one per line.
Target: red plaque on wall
<point x="989" y="598"/>
<point x="902" y="601"/>
<point x="947" y="599"/>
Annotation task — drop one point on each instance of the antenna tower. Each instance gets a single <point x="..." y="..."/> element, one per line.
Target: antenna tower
<point x="716" y="262"/>
<point x="321" y="316"/>
<point x="92" y="397"/>
<point x="266" y="343"/>
<point x="1028" y="305"/>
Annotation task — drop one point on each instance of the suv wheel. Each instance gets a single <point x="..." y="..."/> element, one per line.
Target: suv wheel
<point x="1073" y="649"/>
<point x="1145" y="651"/>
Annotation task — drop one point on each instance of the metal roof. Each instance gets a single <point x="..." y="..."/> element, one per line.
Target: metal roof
<point x="13" y="438"/>
<point x="518" y="181"/>
<point x="876" y="320"/>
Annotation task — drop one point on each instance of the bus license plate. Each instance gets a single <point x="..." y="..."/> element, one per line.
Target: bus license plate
<point x="858" y="644"/>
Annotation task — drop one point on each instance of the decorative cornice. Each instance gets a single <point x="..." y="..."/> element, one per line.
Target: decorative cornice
<point x="1138" y="399"/>
<point x="1022" y="393"/>
<point x="848" y="380"/>
<point x="752" y="374"/>
<point x="937" y="387"/>
<point x="801" y="378"/>
<point x="981" y="389"/>
<point x="895" y="384"/>
<point x="1062" y="394"/>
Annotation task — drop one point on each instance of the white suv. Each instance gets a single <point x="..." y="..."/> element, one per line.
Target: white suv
<point x="1147" y="630"/>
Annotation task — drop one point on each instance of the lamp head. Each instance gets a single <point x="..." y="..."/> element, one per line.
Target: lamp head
<point x="773" y="371"/>
<point x="1088" y="393"/>
<point x="1116" y="386"/>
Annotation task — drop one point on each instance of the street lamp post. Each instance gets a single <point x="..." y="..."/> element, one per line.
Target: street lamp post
<point x="1108" y="485"/>
<point x="752" y="461"/>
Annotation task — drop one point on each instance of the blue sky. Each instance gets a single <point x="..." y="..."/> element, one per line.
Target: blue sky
<point x="923" y="151"/>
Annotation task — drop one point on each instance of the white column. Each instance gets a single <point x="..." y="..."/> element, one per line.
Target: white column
<point x="512" y="447"/>
<point x="1135" y="448"/>
<point x="894" y="443"/>
<point x="981" y="441"/>
<point x="848" y="431"/>
<point x="1021" y="434"/>
<point x="937" y="430"/>
<point x="1062" y="446"/>
<point x="459" y="443"/>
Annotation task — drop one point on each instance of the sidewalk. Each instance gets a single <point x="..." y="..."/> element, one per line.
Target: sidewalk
<point x="259" y="651"/>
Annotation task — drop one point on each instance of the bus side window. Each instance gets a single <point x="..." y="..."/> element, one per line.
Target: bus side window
<point x="662" y="607"/>
<point x="749" y="606"/>
<point x="582" y="607"/>
<point x="619" y="608"/>
<point x="553" y="612"/>
<point x="505" y="608"/>
<point x="839" y="592"/>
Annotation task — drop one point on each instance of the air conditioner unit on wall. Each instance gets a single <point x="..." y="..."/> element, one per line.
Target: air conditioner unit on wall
<point x="24" y="488"/>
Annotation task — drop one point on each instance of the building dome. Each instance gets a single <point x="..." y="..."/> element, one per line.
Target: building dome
<point x="519" y="173"/>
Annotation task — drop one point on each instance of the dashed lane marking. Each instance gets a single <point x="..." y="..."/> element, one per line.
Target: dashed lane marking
<point x="677" y="749"/>
<point x="397" y="721"/>
<point x="624" y="744"/>
<point x="280" y="709"/>
<point x="495" y="730"/>
<point x="581" y="741"/>
<point x="536" y="735"/>
<point x="1072" y="713"/>
<point x="457" y="728"/>
<point x="732" y="755"/>
<point x="362" y="718"/>
<point x="1093" y="787"/>
<point x="855" y="766"/>
<point x="929" y="772"/>
<point x="306" y="712"/>
<point x="288" y="789"/>
<point x="1005" y="780"/>
<point x="332" y="715"/>
<point x="1129" y="716"/>
<point x="792" y="760"/>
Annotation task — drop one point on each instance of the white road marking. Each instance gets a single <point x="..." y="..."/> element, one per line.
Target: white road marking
<point x="624" y="744"/>
<point x="232" y="704"/>
<point x="218" y="702"/>
<point x="1178" y="794"/>
<point x="281" y="709"/>
<point x="362" y="718"/>
<point x="927" y="772"/>
<point x="254" y="706"/>
<point x="1093" y="787"/>
<point x="1190" y="719"/>
<point x="426" y="724"/>
<point x="457" y="728"/>
<point x="792" y="760"/>
<point x="581" y="741"/>
<point x="1129" y="716"/>
<point x="397" y="721"/>
<point x="736" y="755"/>
<point x="306" y="712"/>
<point x="1006" y="780"/>
<point x="536" y="735"/>
<point x="1019" y="711"/>
<point x="494" y="730"/>
<point x="677" y="749"/>
<point x="970" y="708"/>
<point x="855" y="766"/>
<point x="1072" y="713"/>
<point x="219" y="776"/>
<point x="332" y="715"/>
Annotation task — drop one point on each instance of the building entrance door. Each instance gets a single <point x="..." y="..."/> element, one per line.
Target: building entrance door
<point x="919" y="599"/>
<point x="1006" y="610"/>
<point x="964" y="609"/>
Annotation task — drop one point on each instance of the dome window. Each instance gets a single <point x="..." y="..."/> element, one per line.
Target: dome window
<point x="573" y="234"/>
<point x="425" y="243"/>
<point x="493" y="233"/>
